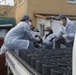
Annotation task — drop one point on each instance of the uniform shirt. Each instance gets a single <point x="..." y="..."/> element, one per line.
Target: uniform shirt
<point x="19" y="37"/>
<point x="34" y="33"/>
<point x="48" y="38"/>
<point x="46" y="41"/>
<point x="68" y="30"/>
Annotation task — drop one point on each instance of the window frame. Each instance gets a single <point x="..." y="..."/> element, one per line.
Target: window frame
<point x="20" y="2"/>
<point x="74" y="1"/>
<point x="15" y="4"/>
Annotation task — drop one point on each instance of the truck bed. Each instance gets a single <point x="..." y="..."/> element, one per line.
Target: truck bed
<point x="40" y="62"/>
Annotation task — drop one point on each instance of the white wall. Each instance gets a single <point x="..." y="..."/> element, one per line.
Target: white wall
<point x="42" y="21"/>
<point x="55" y="26"/>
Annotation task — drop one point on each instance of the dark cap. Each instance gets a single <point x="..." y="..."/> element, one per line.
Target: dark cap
<point x="32" y="27"/>
<point x="49" y="29"/>
<point x="25" y="17"/>
<point x="61" y="16"/>
<point x="30" y="20"/>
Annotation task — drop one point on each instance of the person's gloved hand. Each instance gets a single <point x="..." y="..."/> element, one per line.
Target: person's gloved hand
<point x="36" y="45"/>
<point x="64" y="36"/>
<point x="36" y="36"/>
<point x="39" y="40"/>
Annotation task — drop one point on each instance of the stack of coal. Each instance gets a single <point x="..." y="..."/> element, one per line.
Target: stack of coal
<point x="49" y="62"/>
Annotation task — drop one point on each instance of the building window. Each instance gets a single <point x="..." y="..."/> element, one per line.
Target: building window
<point x="72" y="1"/>
<point x="15" y="4"/>
<point x="21" y="1"/>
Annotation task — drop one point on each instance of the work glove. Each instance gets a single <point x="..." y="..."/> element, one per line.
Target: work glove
<point x="39" y="39"/>
<point x="36" y="45"/>
<point x="64" y="36"/>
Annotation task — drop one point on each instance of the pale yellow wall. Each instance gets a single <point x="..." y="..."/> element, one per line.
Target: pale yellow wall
<point x="51" y="7"/>
<point x="20" y="10"/>
<point x="44" y="7"/>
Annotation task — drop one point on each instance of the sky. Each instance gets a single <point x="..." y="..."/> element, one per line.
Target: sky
<point x="8" y="2"/>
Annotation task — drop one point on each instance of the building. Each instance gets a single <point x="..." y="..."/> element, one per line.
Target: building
<point x="40" y="10"/>
<point x="7" y="19"/>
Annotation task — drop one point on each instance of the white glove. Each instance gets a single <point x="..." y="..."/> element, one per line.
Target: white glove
<point x="37" y="38"/>
<point x="64" y="36"/>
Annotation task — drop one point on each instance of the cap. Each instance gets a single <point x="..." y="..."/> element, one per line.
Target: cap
<point x="36" y="29"/>
<point x="30" y="20"/>
<point x="25" y="17"/>
<point x="61" y="16"/>
<point x="48" y="29"/>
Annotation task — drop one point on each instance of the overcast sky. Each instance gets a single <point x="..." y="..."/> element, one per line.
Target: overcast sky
<point x="8" y="2"/>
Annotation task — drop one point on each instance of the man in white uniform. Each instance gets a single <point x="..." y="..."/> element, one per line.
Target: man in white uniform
<point x="19" y="37"/>
<point x="66" y="32"/>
